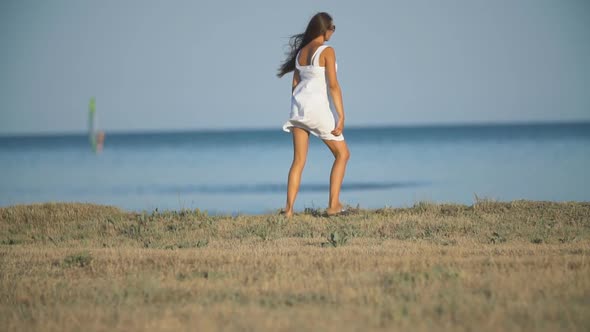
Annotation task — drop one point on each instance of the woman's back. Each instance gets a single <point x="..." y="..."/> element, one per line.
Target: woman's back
<point x="305" y="63"/>
<point x="312" y="75"/>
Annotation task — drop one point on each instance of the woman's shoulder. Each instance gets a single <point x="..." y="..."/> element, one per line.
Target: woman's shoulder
<point x="328" y="50"/>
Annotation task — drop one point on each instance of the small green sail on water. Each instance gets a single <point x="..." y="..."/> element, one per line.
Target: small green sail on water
<point x="92" y="123"/>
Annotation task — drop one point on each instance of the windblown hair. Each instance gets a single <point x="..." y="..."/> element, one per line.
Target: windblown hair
<point x="318" y="25"/>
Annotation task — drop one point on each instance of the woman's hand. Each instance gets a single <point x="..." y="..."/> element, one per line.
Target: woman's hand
<point x="338" y="130"/>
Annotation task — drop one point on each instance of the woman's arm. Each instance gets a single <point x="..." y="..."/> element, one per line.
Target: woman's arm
<point x="296" y="79"/>
<point x="334" y="87"/>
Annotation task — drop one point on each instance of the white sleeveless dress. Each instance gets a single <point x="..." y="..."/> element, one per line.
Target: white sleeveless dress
<point x="312" y="107"/>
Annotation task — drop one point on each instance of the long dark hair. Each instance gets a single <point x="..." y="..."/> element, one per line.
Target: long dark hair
<point x="318" y="24"/>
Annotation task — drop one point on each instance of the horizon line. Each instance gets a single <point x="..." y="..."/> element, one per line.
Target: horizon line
<point x="247" y="129"/>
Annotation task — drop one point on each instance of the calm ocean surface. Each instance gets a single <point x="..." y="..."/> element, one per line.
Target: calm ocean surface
<point x="245" y="172"/>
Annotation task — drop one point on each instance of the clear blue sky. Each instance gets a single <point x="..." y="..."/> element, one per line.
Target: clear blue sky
<point x="166" y="65"/>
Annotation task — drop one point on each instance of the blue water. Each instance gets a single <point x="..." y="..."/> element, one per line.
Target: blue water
<point x="232" y="172"/>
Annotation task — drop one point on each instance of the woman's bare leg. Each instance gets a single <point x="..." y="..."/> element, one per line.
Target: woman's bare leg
<point x="341" y="156"/>
<point x="300" y="147"/>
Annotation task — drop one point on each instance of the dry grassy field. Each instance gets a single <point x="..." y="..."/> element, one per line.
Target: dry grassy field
<point x="491" y="266"/>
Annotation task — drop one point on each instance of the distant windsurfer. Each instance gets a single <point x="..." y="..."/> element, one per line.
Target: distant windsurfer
<point x="96" y="137"/>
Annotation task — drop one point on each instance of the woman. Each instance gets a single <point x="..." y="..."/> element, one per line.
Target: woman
<point x="315" y="93"/>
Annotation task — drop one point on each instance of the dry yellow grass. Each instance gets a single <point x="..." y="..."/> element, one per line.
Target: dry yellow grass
<point x="520" y="265"/>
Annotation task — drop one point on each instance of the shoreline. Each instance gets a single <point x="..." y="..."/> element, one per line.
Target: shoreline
<point x="316" y="211"/>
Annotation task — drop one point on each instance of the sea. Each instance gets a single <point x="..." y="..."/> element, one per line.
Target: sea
<point x="232" y="172"/>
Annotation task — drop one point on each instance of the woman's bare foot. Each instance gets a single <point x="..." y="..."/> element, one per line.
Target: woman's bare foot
<point x="334" y="210"/>
<point x="287" y="213"/>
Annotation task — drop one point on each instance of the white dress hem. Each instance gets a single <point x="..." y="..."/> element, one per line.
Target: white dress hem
<point x="292" y="123"/>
